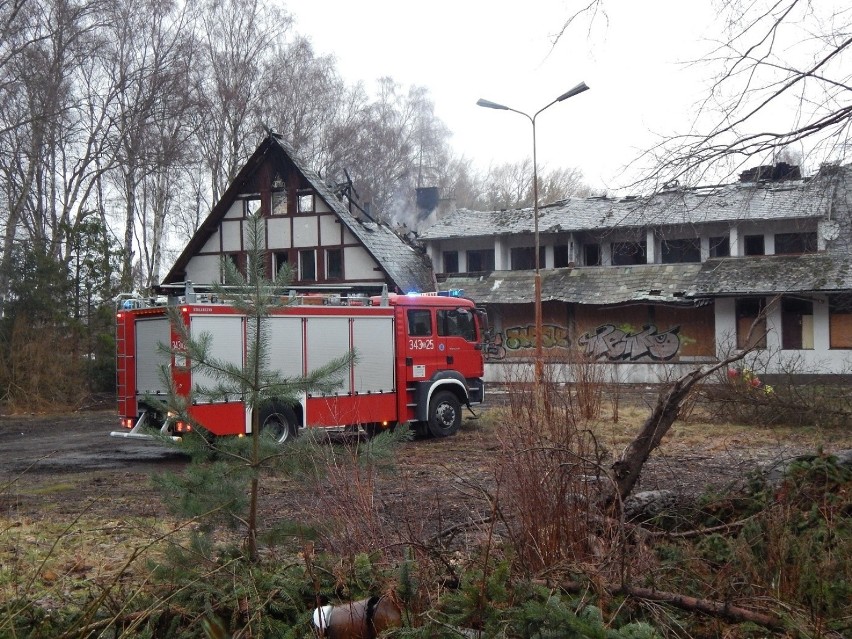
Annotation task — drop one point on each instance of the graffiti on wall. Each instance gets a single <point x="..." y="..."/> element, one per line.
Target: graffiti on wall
<point x="518" y="337"/>
<point x="607" y="341"/>
<point x="610" y="342"/>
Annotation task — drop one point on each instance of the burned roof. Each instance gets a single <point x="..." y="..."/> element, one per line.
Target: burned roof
<point x="774" y="274"/>
<point x="409" y="269"/>
<point x="791" y="199"/>
<point x="666" y="283"/>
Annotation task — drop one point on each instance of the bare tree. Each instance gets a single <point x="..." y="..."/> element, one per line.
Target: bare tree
<point x="399" y="143"/>
<point x="509" y="185"/>
<point x="56" y="125"/>
<point x="783" y="78"/>
<point x="235" y="37"/>
<point x="151" y="43"/>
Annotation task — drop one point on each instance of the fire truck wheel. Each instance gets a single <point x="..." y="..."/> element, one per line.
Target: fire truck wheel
<point x="444" y="414"/>
<point x="279" y="422"/>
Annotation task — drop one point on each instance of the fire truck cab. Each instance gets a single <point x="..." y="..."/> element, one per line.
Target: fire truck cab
<point x="418" y="361"/>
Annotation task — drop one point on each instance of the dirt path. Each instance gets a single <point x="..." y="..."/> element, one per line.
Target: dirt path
<point x="60" y="464"/>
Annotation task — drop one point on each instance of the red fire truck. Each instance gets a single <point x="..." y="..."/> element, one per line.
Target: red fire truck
<point x="419" y="359"/>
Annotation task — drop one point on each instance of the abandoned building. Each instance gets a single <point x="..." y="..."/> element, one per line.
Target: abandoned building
<point x="653" y="285"/>
<point x="659" y="284"/>
<point x="329" y="245"/>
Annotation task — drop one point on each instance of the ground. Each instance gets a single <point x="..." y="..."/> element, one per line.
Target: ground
<point x="56" y="465"/>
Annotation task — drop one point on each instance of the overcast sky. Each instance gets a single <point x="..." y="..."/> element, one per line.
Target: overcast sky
<point x="501" y="50"/>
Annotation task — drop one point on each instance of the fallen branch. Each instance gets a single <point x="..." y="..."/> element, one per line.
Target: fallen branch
<point x="706" y="606"/>
<point x="709" y="607"/>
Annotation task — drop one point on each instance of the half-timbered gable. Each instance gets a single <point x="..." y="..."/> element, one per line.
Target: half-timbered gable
<point x="308" y="227"/>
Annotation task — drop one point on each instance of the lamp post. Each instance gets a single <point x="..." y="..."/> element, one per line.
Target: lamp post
<point x="537" y="293"/>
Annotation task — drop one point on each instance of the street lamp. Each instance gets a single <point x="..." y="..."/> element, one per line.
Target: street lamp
<point x="538" y="323"/>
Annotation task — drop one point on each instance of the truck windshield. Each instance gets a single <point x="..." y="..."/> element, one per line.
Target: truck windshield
<point x="457" y="323"/>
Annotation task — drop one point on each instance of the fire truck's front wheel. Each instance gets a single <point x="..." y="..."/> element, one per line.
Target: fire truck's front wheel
<point x="279" y="423"/>
<point x="444" y="414"/>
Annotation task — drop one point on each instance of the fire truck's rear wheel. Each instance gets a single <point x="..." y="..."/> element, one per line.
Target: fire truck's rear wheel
<point x="444" y="414"/>
<point x="279" y="423"/>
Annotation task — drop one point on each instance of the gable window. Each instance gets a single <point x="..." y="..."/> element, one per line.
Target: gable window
<point x="451" y="261"/>
<point x="680" y="251"/>
<point x="797" y="324"/>
<point x="237" y="260"/>
<point x="308" y="265"/>
<point x="592" y="254"/>
<point x="840" y="320"/>
<point x="751" y="331"/>
<point x="334" y="264"/>
<point x="560" y="256"/>
<point x="720" y="246"/>
<point x="305" y="203"/>
<point x="419" y="322"/>
<point x="753" y="245"/>
<point x="280" y="260"/>
<point x="482" y="260"/>
<point x="279" y="202"/>
<point x="251" y="206"/>
<point x="523" y="258"/>
<point x="627" y="253"/>
<point x="795" y="243"/>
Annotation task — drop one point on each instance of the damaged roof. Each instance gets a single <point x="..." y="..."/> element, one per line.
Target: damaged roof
<point x="774" y="274"/>
<point x="806" y="198"/>
<point x="686" y="284"/>
<point x="409" y="269"/>
<point x="667" y="283"/>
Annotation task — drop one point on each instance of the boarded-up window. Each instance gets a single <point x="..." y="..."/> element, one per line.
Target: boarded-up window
<point x="840" y="320"/>
<point x="751" y="323"/>
<point x="696" y="328"/>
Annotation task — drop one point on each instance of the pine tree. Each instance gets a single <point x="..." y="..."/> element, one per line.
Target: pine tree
<point x="215" y="482"/>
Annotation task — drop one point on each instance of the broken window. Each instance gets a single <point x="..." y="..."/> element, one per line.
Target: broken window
<point x="451" y="261"/>
<point x="680" y="251"/>
<point x="720" y="246"/>
<point x="238" y="260"/>
<point x="592" y="254"/>
<point x="561" y="257"/>
<point x="252" y="206"/>
<point x="308" y="265"/>
<point x="751" y="322"/>
<point x="334" y="264"/>
<point x="840" y="320"/>
<point x="482" y="260"/>
<point x="280" y="259"/>
<point x="795" y="243"/>
<point x="626" y="253"/>
<point x="279" y="202"/>
<point x="523" y="258"/>
<point x="797" y="324"/>
<point x="306" y="203"/>
<point x="753" y="245"/>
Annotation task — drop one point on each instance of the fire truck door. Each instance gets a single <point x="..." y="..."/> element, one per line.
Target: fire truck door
<point x="422" y="358"/>
<point x="456" y="340"/>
